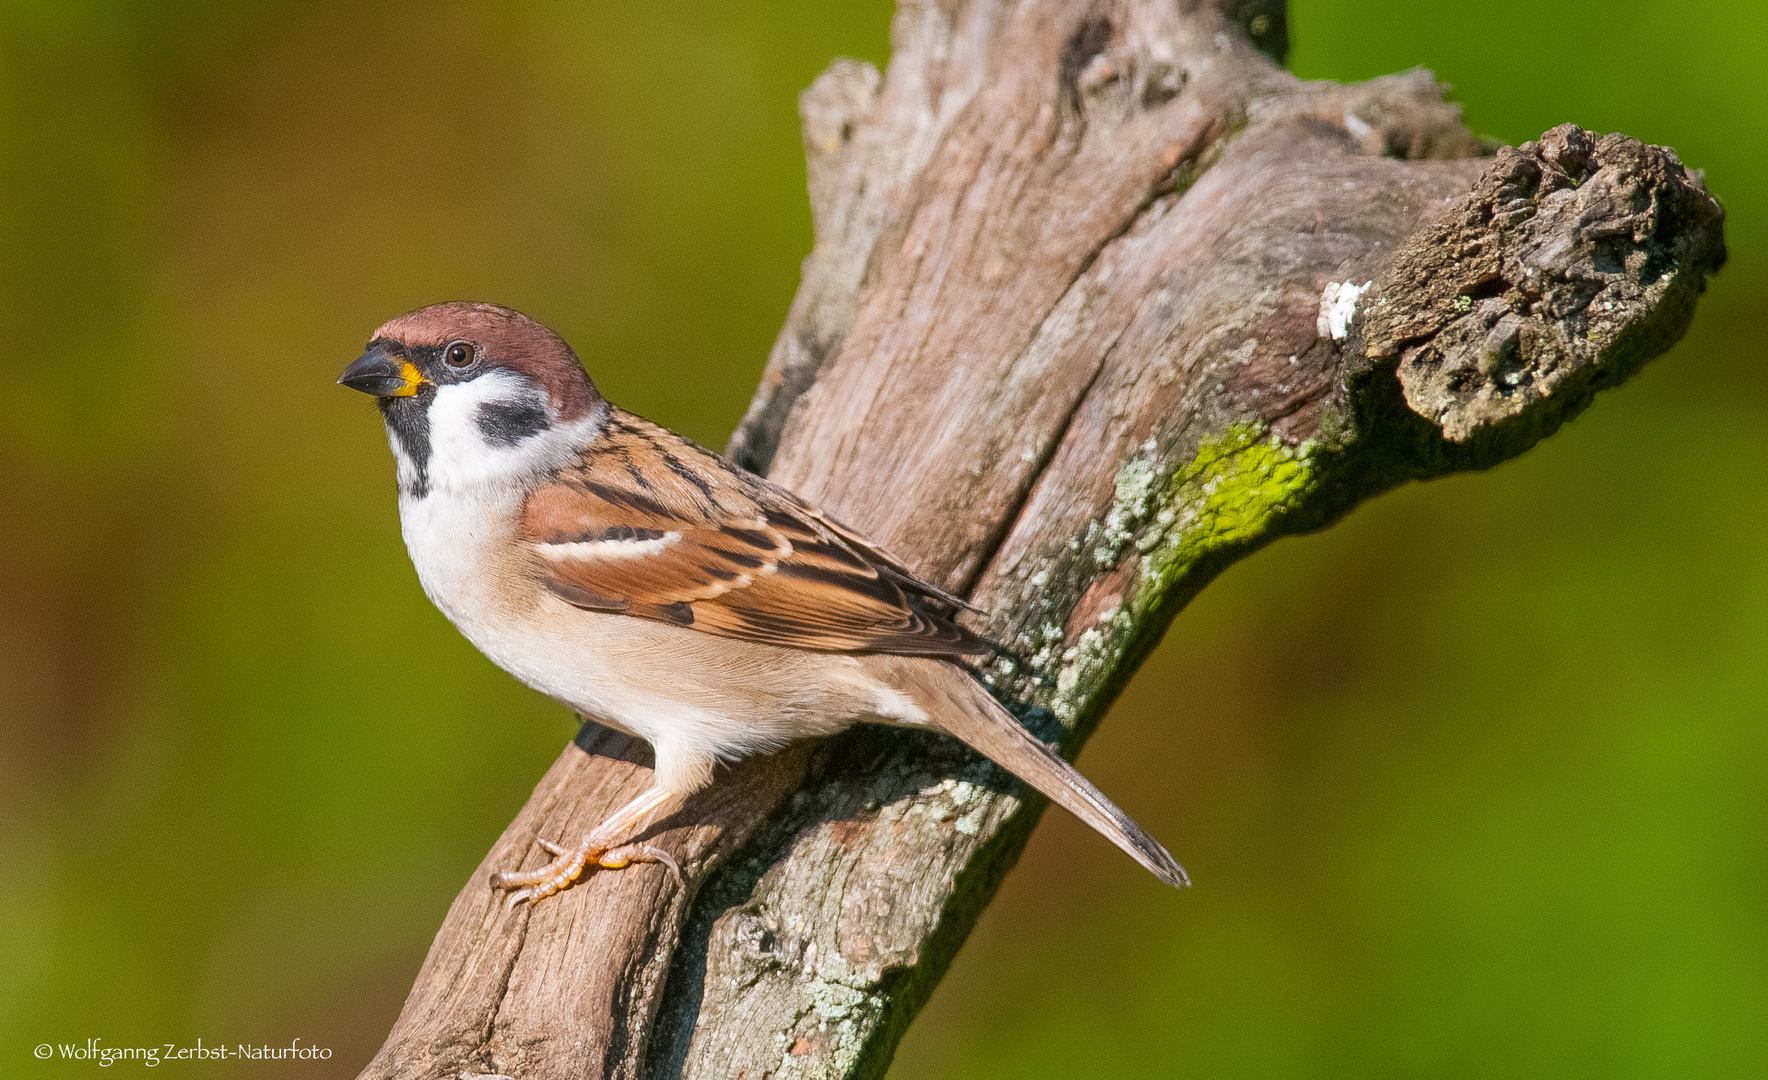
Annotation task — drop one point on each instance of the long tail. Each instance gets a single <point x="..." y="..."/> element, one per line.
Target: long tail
<point x="961" y="707"/>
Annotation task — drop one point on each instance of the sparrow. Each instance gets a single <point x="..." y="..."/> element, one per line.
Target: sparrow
<point x="654" y="587"/>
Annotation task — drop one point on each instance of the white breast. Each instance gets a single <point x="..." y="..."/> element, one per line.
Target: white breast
<point x="695" y="697"/>
<point x="470" y="560"/>
<point x="455" y="538"/>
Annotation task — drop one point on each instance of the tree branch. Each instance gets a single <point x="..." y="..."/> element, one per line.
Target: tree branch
<point x="1102" y="301"/>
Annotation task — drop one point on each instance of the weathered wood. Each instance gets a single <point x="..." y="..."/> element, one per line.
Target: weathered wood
<point x="1101" y="301"/>
<point x="548" y="990"/>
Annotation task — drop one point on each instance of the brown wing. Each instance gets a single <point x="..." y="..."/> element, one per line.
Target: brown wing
<point x="646" y="523"/>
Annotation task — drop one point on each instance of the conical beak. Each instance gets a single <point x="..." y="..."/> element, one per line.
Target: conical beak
<point x="381" y="373"/>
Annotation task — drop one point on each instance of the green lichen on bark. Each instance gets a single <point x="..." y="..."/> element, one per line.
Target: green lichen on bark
<point x="1230" y="495"/>
<point x="814" y="955"/>
<point x="1171" y="530"/>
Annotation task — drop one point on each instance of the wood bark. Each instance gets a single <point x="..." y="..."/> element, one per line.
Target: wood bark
<point x="1101" y="300"/>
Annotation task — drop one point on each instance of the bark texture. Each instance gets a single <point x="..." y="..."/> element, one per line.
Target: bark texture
<point x="1101" y="301"/>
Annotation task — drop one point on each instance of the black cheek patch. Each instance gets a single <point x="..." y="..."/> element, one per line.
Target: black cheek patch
<point x="507" y="425"/>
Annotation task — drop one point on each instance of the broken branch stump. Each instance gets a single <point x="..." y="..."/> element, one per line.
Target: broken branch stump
<point x="1102" y="300"/>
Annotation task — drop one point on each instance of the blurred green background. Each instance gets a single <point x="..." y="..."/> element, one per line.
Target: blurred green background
<point x="1473" y="784"/>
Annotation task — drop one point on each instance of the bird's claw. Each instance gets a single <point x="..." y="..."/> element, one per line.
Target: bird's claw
<point x="568" y="864"/>
<point x="622" y="857"/>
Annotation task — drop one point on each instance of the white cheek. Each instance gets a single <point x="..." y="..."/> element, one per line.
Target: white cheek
<point x="460" y="454"/>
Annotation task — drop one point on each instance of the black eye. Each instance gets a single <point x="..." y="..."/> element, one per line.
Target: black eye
<point x="458" y="353"/>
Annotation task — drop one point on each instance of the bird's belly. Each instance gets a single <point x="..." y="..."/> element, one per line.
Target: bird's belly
<point x="680" y="689"/>
<point x="570" y="664"/>
<point x="677" y="688"/>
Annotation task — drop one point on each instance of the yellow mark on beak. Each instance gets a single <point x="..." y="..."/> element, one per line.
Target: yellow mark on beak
<point x="412" y="378"/>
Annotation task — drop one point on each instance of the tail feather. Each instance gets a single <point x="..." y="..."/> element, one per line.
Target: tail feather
<point x="961" y="707"/>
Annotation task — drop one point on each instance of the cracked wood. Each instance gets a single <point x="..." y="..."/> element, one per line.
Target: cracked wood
<point x="1101" y="300"/>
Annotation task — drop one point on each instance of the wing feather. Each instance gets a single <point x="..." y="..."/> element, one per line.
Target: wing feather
<point x="647" y="524"/>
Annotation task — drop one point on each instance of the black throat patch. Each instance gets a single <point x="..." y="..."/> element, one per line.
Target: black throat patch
<point x="408" y="418"/>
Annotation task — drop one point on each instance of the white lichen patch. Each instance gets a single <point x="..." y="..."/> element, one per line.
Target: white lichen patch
<point x="1093" y="654"/>
<point x="1041" y="642"/>
<point x="1137" y="482"/>
<point x="1338" y="306"/>
<point x="831" y="998"/>
<point x="1151" y="536"/>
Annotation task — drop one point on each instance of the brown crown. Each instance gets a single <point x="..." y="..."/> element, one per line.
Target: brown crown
<point x="506" y="338"/>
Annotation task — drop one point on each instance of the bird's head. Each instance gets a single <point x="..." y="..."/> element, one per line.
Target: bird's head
<point x="474" y="393"/>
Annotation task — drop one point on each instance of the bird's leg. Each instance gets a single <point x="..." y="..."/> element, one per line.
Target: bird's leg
<point x="602" y="846"/>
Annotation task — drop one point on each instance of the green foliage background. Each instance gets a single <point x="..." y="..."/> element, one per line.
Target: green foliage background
<point x="1475" y="783"/>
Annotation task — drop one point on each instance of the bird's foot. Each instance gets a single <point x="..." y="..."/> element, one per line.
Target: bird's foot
<point x="622" y="857"/>
<point x="568" y="864"/>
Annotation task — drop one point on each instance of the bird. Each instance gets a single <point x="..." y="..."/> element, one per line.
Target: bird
<point x="658" y="589"/>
